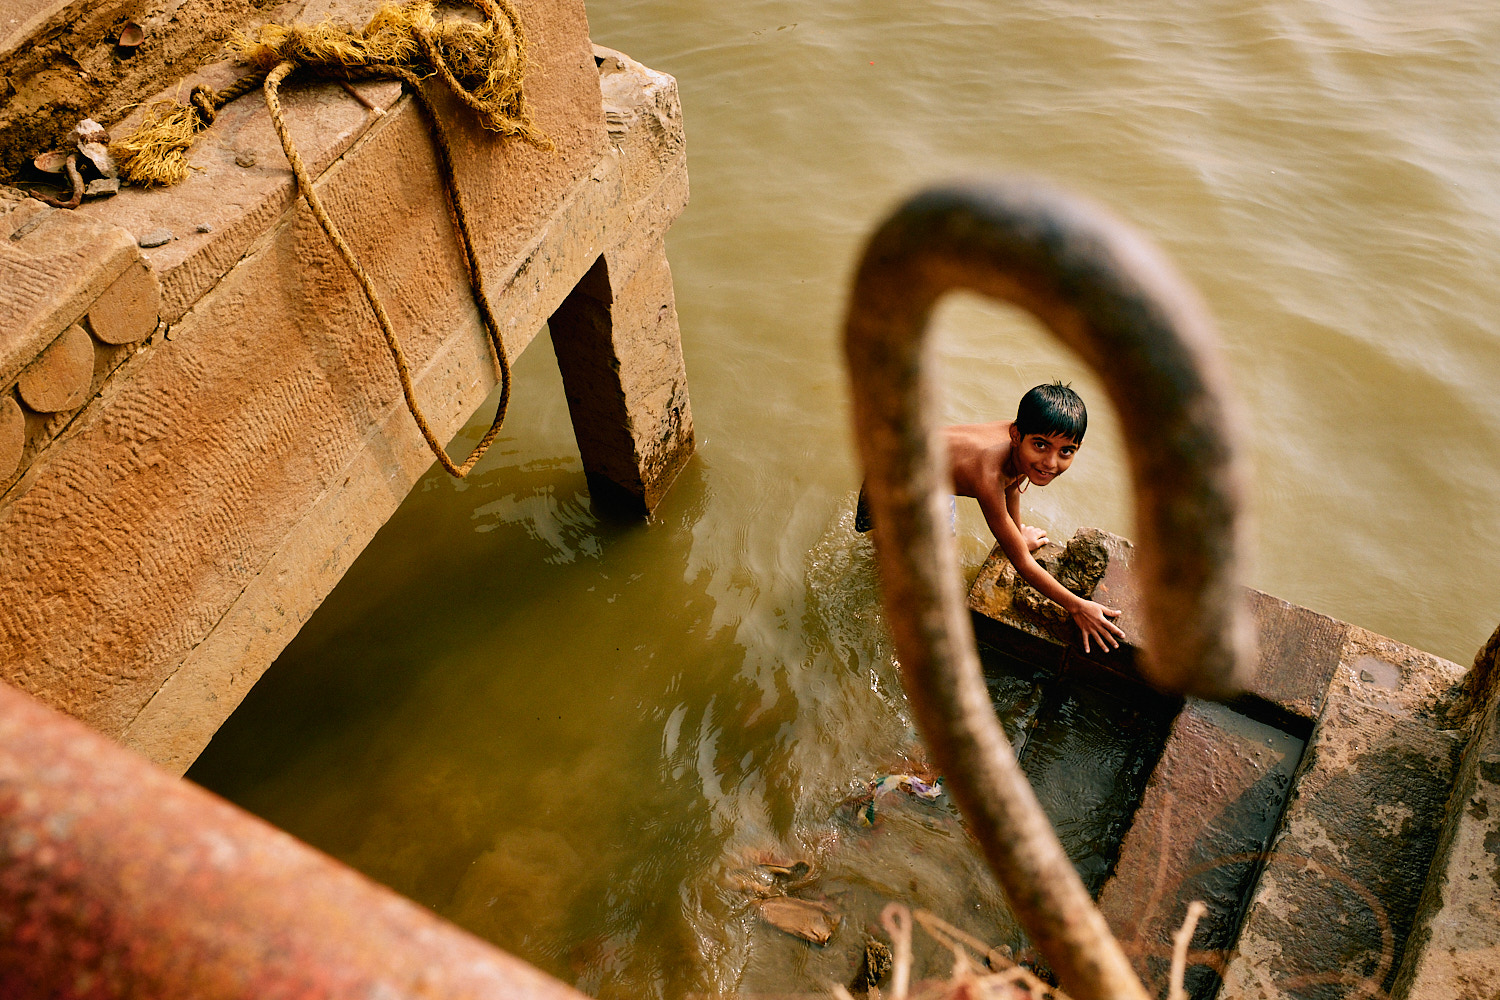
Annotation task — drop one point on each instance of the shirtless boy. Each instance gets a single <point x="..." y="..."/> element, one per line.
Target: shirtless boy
<point x="996" y="462"/>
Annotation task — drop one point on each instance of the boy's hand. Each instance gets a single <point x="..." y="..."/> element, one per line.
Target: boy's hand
<point x="1035" y="537"/>
<point x="1093" y="623"/>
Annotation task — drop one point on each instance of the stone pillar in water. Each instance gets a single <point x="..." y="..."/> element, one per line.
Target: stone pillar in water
<point x="620" y="352"/>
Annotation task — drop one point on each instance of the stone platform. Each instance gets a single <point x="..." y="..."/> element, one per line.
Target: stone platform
<point x="200" y="426"/>
<point x="1336" y="818"/>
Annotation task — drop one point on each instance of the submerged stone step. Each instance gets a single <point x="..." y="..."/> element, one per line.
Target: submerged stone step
<point x="1209" y="811"/>
<point x="1313" y="862"/>
<point x="1117" y="740"/>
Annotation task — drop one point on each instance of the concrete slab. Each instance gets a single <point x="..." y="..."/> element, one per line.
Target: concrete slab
<point x="1332" y="911"/>
<point x="1404" y="681"/>
<point x="998" y="591"/>
<point x="1299" y="649"/>
<point x="1298" y="653"/>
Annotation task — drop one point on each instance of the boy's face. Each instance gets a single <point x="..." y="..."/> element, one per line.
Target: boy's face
<point x="1041" y="458"/>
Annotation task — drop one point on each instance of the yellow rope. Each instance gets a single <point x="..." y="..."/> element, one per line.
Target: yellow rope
<point x="481" y="62"/>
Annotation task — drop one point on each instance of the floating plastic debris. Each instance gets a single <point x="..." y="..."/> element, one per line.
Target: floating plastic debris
<point x="911" y="784"/>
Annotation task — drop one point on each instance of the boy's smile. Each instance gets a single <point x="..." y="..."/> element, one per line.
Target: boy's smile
<point x="1041" y="458"/>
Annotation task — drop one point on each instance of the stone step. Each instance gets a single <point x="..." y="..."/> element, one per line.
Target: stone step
<point x="1306" y="814"/>
<point x="1453" y="952"/>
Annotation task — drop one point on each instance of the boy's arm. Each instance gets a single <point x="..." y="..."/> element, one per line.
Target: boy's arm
<point x="1092" y="618"/>
<point x="1035" y="538"/>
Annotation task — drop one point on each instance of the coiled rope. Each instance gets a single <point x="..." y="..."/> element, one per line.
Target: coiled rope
<point x="482" y="63"/>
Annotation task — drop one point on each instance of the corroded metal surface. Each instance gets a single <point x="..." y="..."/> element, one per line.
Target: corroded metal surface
<point x="1113" y="299"/>
<point x="117" y="881"/>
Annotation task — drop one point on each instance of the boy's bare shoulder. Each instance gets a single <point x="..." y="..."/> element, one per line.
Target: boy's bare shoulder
<point x="976" y="439"/>
<point x="980" y="436"/>
<point x="976" y="453"/>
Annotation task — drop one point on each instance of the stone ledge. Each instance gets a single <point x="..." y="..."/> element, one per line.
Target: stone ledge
<point x="1302" y="654"/>
<point x="54" y="265"/>
<point x="195" y="513"/>
<point x="182" y="715"/>
<point x="57" y="264"/>
<point x="241" y="183"/>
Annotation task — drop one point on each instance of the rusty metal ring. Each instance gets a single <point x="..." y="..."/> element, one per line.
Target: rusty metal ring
<point x="1114" y="299"/>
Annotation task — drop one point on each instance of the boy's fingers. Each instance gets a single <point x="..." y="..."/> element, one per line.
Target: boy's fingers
<point x="1112" y="611"/>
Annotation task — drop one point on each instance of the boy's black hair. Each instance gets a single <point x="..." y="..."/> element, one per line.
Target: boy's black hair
<point x="1053" y="409"/>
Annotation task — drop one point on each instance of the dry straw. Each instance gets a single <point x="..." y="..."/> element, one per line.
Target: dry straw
<point x="984" y="973"/>
<point x="482" y="62"/>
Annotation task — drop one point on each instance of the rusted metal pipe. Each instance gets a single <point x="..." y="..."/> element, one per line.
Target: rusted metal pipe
<point x="118" y="881"/>
<point x="1114" y="299"/>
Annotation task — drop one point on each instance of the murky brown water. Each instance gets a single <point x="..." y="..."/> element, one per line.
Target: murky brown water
<point x="569" y="735"/>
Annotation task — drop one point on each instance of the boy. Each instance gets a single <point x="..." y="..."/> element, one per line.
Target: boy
<point x="996" y="462"/>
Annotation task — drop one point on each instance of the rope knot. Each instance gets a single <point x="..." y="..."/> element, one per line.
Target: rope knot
<point x="202" y="99"/>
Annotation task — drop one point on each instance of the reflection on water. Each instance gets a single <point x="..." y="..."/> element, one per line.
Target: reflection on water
<point x="1088" y="758"/>
<point x="569" y="735"/>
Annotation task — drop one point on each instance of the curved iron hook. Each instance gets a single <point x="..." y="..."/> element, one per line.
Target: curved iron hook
<point x="1116" y="301"/>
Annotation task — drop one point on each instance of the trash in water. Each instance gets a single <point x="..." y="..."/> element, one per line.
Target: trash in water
<point x="803" y="918"/>
<point x="874" y="968"/>
<point x="911" y="784"/>
<point x="797" y="871"/>
<point x="767" y="874"/>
